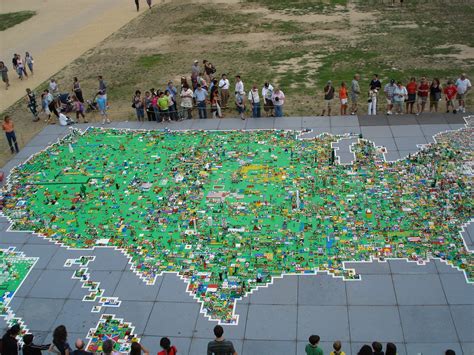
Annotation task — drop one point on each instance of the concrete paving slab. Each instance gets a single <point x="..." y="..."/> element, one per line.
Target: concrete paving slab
<point x="321" y="290"/>
<point x="369" y="132"/>
<point x="379" y="322"/>
<point x="312" y="122"/>
<point x="53" y="284"/>
<point x="173" y="289"/>
<point x="281" y="317"/>
<point x="419" y="289"/>
<point x="260" y="347"/>
<point x="330" y="322"/>
<point x="433" y="348"/>
<point x="371" y="290"/>
<point x="132" y="288"/>
<point x="463" y="317"/>
<point x="283" y="291"/>
<point x="136" y="312"/>
<point x="172" y="319"/>
<point x="407" y="131"/>
<point x="76" y="316"/>
<point x="457" y="290"/>
<point x="40" y="314"/>
<point x="204" y="327"/>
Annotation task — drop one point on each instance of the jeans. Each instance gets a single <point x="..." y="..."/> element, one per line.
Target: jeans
<point x="256" y="110"/>
<point x="156" y="110"/>
<point x="11" y="138"/>
<point x="278" y="110"/>
<point x="140" y="113"/>
<point x="202" y="109"/>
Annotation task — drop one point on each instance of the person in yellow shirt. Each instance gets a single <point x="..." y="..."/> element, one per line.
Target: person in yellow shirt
<point x="337" y="348"/>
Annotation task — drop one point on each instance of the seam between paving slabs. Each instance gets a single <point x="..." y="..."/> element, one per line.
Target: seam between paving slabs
<point x="448" y="304"/>
<point x="398" y="307"/>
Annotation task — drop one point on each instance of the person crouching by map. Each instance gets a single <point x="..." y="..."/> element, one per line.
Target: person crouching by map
<point x="8" y="127"/>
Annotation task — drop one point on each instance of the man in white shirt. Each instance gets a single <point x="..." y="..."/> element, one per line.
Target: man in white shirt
<point x="254" y="100"/>
<point x="463" y="85"/>
<point x="239" y="85"/>
<point x="267" y="93"/>
<point x="224" y="87"/>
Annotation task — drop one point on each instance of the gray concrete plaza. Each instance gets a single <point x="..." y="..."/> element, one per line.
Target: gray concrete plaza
<point x="423" y="309"/>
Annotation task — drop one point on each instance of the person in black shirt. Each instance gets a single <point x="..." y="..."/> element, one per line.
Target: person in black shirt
<point x="328" y="98"/>
<point x="32" y="105"/>
<point x="80" y="348"/>
<point x="375" y="83"/>
<point x="9" y="342"/>
<point x="29" y="348"/>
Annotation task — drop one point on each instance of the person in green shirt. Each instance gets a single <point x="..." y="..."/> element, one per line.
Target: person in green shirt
<point x="312" y="348"/>
<point x="163" y="104"/>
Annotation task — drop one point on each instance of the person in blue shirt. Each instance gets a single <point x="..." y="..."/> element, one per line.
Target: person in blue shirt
<point x="201" y="95"/>
<point x="102" y="105"/>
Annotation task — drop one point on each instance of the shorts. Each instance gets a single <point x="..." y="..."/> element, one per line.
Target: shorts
<point x="240" y="109"/>
<point x="422" y="99"/>
<point x="103" y="112"/>
<point x="327" y="103"/>
<point x="354" y="98"/>
<point x="389" y="101"/>
<point x="411" y="98"/>
<point x="460" y="96"/>
<point x="343" y="101"/>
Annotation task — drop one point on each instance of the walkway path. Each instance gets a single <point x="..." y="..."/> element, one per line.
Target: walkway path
<point x="58" y="34"/>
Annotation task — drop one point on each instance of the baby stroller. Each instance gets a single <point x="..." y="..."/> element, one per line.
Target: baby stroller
<point x="65" y="103"/>
<point x="92" y="105"/>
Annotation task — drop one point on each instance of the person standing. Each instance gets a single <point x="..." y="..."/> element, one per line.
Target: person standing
<point x="423" y="92"/>
<point x="355" y="92"/>
<point x="343" y="98"/>
<point x="173" y="93"/>
<point x="278" y="99"/>
<point x="201" y="95"/>
<point x="76" y="88"/>
<point x="9" y="129"/>
<point x="388" y="90"/>
<point x="4" y="72"/>
<point x="29" y="61"/>
<point x="149" y="3"/>
<point x="372" y="102"/>
<point x="463" y="86"/>
<point x="20" y="68"/>
<point x="267" y="93"/>
<point x="240" y="104"/>
<point x="148" y="101"/>
<point x="53" y="87"/>
<point x="399" y="96"/>
<point x="78" y="108"/>
<point x="168" y="349"/>
<point x="224" y="87"/>
<point x="137" y="5"/>
<point x="32" y="104"/>
<point x="102" y="105"/>
<point x="51" y="103"/>
<point x="164" y="105"/>
<point x="138" y="104"/>
<point x="375" y="83"/>
<point x="14" y="61"/>
<point x="239" y="85"/>
<point x="412" y="87"/>
<point x="186" y="100"/>
<point x="195" y="71"/>
<point x="435" y="94"/>
<point x="102" y="86"/>
<point x="450" y="92"/>
<point x="254" y="99"/>
<point x="328" y="98"/>
<point x="9" y="342"/>
<point x="215" y="104"/>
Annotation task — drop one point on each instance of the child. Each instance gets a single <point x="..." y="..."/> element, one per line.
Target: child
<point x="240" y="104"/>
<point x="79" y="108"/>
<point x="343" y="98"/>
<point x="337" y="345"/>
<point x="8" y="127"/>
<point x="168" y="349"/>
<point x="29" y="348"/>
<point x="372" y="102"/>
<point x="102" y="104"/>
<point x="312" y="348"/>
<point x="450" y="93"/>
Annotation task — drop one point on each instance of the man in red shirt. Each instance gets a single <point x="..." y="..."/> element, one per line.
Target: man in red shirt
<point x="411" y="87"/>
<point x="450" y="92"/>
<point x="423" y="91"/>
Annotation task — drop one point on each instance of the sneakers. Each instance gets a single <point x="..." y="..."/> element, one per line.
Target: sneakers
<point x="389" y="113"/>
<point x="454" y="111"/>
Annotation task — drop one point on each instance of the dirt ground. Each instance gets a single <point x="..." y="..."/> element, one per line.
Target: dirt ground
<point x="296" y="48"/>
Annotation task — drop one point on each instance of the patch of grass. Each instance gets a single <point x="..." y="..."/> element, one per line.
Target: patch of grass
<point x="14" y="18"/>
<point x="149" y="61"/>
<point x="301" y="6"/>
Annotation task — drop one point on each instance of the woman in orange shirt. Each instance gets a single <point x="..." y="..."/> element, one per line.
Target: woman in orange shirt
<point x="10" y="133"/>
<point x="343" y="98"/>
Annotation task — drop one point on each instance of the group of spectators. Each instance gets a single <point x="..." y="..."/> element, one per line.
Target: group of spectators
<point x="218" y="346"/>
<point x="208" y="94"/>
<point x="19" y="65"/>
<point x="399" y="98"/>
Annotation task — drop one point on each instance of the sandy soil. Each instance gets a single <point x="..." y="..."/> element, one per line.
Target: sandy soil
<point x="58" y="34"/>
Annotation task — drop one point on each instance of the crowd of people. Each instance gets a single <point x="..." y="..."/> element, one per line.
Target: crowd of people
<point x="19" y="65"/>
<point x="400" y="99"/>
<point x="218" y="346"/>
<point x="208" y="94"/>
